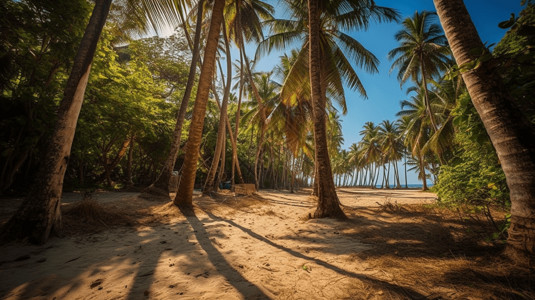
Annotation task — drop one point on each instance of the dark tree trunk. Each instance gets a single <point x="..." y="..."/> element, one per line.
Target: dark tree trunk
<point x="511" y="134"/>
<point x="328" y="203"/>
<point x="129" y="171"/>
<point x="40" y="213"/>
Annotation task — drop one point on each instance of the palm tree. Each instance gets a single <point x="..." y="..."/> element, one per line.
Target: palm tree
<point x="161" y="184"/>
<point x="391" y="147"/>
<point x="211" y="184"/>
<point x="416" y="130"/>
<point x="511" y="134"/>
<point x="244" y="18"/>
<point x="184" y="195"/>
<point x="332" y="65"/>
<point x="370" y="151"/>
<point x="40" y="213"/>
<point x="422" y="54"/>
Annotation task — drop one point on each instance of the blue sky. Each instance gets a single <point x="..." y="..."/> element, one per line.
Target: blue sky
<point x="383" y="89"/>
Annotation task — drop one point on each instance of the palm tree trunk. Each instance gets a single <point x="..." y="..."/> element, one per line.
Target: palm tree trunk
<point x="405" y="164"/>
<point x="184" y="195"/>
<point x="221" y="173"/>
<point x="328" y="203"/>
<point x="426" y="95"/>
<point x="511" y="134"/>
<point x="161" y="185"/>
<point x="261" y="108"/>
<point x="422" y="171"/>
<point x="40" y="213"/>
<point x="236" y="127"/>
<point x="221" y="132"/>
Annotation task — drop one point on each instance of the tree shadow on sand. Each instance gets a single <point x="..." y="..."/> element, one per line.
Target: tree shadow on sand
<point x="401" y="291"/>
<point x="248" y="289"/>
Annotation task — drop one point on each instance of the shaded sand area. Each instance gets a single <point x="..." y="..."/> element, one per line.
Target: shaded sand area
<point x="395" y="245"/>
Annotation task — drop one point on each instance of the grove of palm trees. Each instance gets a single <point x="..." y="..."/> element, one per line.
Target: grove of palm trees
<point x="158" y="149"/>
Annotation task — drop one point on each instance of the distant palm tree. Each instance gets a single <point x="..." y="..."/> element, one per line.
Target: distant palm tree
<point x="416" y="129"/>
<point x="370" y="151"/>
<point x="391" y="146"/>
<point x="422" y="53"/>
<point x="244" y="19"/>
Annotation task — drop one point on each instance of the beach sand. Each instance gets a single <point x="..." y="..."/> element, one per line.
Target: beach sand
<point x="394" y="245"/>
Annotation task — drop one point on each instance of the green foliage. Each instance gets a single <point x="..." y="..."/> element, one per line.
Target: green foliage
<point x="516" y="56"/>
<point x="130" y="100"/>
<point x="38" y="41"/>
<point x="474" y="176"/>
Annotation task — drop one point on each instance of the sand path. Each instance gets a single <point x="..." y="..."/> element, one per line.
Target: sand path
<point x="234" y="248"/>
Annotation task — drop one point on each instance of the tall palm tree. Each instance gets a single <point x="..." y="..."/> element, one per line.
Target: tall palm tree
<point x="161" y="184"/>
<point x="40" y="213"/>
<point x="211" y="184"/>
<point x="244" y="18"/>
<point x="329" y="19"/>
<point x="422" y="54"/>
<point x="511" y="134"/>
<point x="416" y="130"/>
<point x="184" y="195"/>
<point x="328" y="203"/>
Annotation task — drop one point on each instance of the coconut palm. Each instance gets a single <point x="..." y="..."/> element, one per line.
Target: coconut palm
<point x="422" y="53"/>
<point x="370" y="151"/>
<point x="161" y="184"/>
<point x="391" y="146"/>
<point x="244" y="19"/>
<point x="184" y="195"/>
<point x="511" y="134"/>
<point x="322" y="73"/>
<point x="416" y="130"/>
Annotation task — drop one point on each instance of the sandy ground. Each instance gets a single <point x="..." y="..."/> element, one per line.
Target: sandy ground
<point x="260" y="247"/>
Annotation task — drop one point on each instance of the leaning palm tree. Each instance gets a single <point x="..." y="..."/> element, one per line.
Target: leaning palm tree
<point x="184" y="195"/>
<point x="422" y="53"/>
<point x="40" y="213"/>
<point x="511" y="134"/>
<point x="161" y="185"/>
<point x="244" y="19"/>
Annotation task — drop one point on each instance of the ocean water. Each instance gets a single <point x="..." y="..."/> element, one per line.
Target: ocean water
<point x="410" y="185"/>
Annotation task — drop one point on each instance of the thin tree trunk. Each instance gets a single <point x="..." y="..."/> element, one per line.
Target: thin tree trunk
<point x="109" y="166"/>
<point x="234" y="139"/>
<point x="221" y="132"/>
<point x="40" y="213"/>
<point x="262" y="110"/>
<point x="129" y="172"/>
<point x="184" y="196"/>
<point x="161" y="184"/>
<point x="422" y="171"/>
<point x="328" y="203"/>
<point x="406" y="184"/>
<point x="426" y="95"/>
<point x="511" y="134"/>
